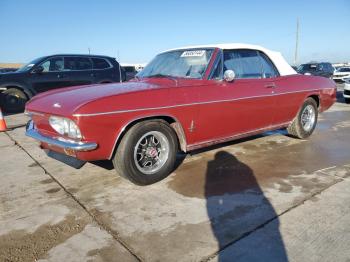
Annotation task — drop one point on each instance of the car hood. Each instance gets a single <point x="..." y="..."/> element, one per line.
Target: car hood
<point x="8" y="76"/>
<point x="67" y="101"/>
<point x="341" y="73"/>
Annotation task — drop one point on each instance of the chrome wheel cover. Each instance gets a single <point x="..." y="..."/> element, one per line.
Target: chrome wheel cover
<point x="308" y="118"/>
<point x="151" y="152"/>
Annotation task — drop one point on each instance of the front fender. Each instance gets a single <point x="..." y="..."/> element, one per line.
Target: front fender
<point x="108" y="130"/>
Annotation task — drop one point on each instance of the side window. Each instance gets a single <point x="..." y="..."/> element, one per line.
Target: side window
<point x="320" y="67"/>
<point x="245" y="63"/>
<point x="83" y="63"/>
<point x="100" y="63"/>
<point x="268" y="68"/>
<point x="77" y="63"/>
<point x="53" y="64"/>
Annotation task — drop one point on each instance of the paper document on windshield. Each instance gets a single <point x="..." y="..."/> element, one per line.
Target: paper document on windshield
<point x="193" y="53"/>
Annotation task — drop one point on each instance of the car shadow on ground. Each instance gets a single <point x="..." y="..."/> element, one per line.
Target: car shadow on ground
<point x="234" y="200"/>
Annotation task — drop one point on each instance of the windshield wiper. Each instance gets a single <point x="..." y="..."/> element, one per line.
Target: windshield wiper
<point x="161" y="75"/>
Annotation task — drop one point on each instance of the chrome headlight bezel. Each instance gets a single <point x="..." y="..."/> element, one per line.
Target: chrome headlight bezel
<point x="65" y="127"/>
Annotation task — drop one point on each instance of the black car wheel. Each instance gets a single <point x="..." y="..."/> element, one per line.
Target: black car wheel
<point x="305" y="122"/>
<point x="347" y="100"/>
<point x="147" y="152"/>
<point x="13" y="100"/>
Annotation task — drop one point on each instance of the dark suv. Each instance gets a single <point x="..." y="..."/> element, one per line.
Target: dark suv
<point x="317" y="69"/>
<point x="56" y="71"/>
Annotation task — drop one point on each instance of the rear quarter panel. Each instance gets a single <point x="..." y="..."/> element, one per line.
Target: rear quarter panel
<point x="293" y="90"/>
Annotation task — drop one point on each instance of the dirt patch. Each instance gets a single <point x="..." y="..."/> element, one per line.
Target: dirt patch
<point x="20" y="245"/>
<point x="11" y="65"/>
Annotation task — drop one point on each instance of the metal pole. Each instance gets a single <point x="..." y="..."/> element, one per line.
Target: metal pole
<point x="296" y="44"/>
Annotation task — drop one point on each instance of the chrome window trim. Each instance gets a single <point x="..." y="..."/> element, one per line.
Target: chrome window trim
<point x="189" y="104"/>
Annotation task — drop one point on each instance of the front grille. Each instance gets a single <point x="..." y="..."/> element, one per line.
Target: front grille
<point x="347" y="92"/>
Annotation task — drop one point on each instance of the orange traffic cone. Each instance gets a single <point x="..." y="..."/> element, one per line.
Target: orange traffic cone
<point x="3" y="126"/>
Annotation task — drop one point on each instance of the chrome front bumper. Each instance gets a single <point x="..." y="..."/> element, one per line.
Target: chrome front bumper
<point x="59" y="142"/>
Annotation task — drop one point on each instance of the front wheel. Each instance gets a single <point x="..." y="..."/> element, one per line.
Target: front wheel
<point x="13" y="100"/>
<point x="147" y="152"/>
<point x="305" y="121"/>
<point x="347" y="100"/>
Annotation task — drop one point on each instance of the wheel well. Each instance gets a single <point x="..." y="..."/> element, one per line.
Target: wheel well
<point x="169" y="120"/>
<point x="317" y="100"/>
<point x="26" y="92"/>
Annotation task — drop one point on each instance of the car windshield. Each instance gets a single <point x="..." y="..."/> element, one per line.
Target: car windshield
<point x="307" y="67"/>
<point x="190" y="63"/>
<point x="28" y="66"/>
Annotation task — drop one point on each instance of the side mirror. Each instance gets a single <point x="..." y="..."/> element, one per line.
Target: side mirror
<point x="37" y="70"/>
<point x="229" y="75"/>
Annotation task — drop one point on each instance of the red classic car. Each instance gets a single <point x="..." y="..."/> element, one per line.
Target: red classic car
<point x="184" y="99"/>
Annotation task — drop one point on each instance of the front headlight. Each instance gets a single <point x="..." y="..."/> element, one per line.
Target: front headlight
<point x="65" y="126"/>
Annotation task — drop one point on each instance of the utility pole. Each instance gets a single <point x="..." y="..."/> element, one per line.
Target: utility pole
<point x="296" y="44"/>
<point x="89" y="50"/>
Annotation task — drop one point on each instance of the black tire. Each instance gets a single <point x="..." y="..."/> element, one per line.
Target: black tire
<point x="13" y="100"/>
<point x="296" y="128"/>
<point x="124" y="162"/>
<point x="347" y="100"/>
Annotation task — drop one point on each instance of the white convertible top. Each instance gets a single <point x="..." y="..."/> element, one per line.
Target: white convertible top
<point x="281" y="64"/>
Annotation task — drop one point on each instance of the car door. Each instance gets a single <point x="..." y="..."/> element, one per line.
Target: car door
<point x="246" y="104"/>
<point x="77" y="70"/>
<point x="52" y="75"/>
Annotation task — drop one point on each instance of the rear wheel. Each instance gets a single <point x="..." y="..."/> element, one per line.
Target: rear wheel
<point x="13" y="100"/>
<point x="305" y="122"/>
<point x="147" y="153"/>
<point x="347" y="100"/>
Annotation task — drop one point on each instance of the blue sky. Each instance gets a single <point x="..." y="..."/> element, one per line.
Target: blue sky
<point x="136" y="30"/>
